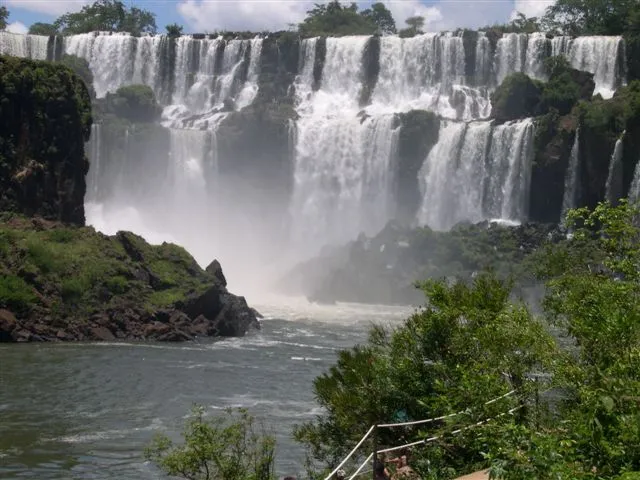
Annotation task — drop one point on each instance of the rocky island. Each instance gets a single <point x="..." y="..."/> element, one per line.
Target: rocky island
<point x="62" y="280"/>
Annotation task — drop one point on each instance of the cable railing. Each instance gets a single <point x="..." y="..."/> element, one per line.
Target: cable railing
<point x="373" y="428"/>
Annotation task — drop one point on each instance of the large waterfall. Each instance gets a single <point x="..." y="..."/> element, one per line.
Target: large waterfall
<point x="571" y="183"/>
<point x="341" y="172"/>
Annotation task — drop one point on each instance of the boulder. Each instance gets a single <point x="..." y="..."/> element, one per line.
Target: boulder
<point x="215" y="269"/>
<point x="8" y="324"/>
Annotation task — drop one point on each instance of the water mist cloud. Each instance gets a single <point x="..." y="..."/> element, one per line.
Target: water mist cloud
<point x="531" y="8"/>
<point x="17" y="27"/>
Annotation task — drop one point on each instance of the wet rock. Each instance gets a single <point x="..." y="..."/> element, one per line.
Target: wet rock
<point x="215" y="269"/>
<point x="102" y="333"/>
<point x="8" y="324"/>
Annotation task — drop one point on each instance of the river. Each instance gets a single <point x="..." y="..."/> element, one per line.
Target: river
<point x="87" y="410"/>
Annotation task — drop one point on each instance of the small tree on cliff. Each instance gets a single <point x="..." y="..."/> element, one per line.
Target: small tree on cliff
<point x="380" y="15"/>
<point x="40" y="28"/>
<point x="416" y="24"/>
<point x="107" y="15"/>
<point x="4" y="15"/>
<point x="174" y="30"/>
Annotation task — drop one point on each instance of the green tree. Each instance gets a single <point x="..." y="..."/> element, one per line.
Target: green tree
<point x="594" y="297"/>
<point x="228" y="447"/>
<point x="40" y="28"/>
<point x="136" y="103"/>
<point x="416" y="24"/>
<point x="335" y="19"/>
<point x="4" y="15"/>
<point x="174" y="30"/>
<point x="107" y="15"/>
<point x="467" y="345"/>
<point x="591" y="17"/>
<point x="380" y="15"/>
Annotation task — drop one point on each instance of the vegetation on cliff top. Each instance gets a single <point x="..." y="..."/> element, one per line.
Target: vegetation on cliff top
<point x="335" y="19"/>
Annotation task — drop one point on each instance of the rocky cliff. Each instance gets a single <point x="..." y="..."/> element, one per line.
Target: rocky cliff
<point x="45" y="120"/>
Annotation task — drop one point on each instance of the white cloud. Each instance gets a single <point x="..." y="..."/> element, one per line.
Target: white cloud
<point x="17" y="27"/>
<point x="48" y="7"/>
<point x="531" y="8"/>
<point x="412" y="8"/>
<point x="252" y="15"/>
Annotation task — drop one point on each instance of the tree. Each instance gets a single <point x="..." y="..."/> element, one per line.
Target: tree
<point x="591" y="17"/>
<point x="107" y="15"/>
<point x="40" y="28"/>
<point x="467" y="345"/>
<point x="380" y="15"/>
<point x="335" y="19"/>
<point x="416" y="25"/>
<point x="224" y="448"/>
<point x="4" y="15"/>
<point x="136" y="103"/>
<point x="174" y="30"/>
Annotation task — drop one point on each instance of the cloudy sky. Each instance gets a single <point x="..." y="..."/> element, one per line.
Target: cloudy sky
<point x="210" y="15"/>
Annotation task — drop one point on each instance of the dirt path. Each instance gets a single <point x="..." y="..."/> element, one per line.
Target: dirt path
<point x="482" y="475"/>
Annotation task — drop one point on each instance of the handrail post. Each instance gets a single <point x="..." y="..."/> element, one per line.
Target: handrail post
<point x="375" y="451"/>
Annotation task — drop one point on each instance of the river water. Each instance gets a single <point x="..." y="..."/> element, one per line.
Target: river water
<point x="87" y="410"/>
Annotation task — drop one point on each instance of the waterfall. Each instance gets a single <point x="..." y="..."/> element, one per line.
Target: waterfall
<point x="250" y="90"/>
<point x="511" y="52"/>
<point x="343" y="175"/>
<point x="93" y="177"/>
<point x="599" y="55"/>
<point x="27" y="46"/>
<point x="426" y="72"/>
<point x="571" y="182"/>
<point x="303" y="83"/>
<point x="110" y="57"/>
<point x="634" y="190"/>
<point x="466" y="156"/>
<point x="613" y="189"/>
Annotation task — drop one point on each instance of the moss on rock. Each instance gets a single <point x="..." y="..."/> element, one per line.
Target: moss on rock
<point x="67" y="283"/>
<point x="517" y="97"/>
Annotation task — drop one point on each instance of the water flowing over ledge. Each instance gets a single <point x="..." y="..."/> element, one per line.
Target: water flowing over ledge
<point x="343" y="163"/>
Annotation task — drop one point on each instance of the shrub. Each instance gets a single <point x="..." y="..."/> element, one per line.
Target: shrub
<point x="16" y="294"/>
<point x="227" y="447"/>
<point x="136" y="103"/>
<point x="517" y="97"/>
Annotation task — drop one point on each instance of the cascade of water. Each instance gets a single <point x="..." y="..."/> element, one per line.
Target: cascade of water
<point x="111" y="57"/>
<point x="538" y="49"/>
<point x="426" y="72"/>
<point x="304" y="81"/>
<point x="613" y="189"/>
<point x="26" y="46"/>
<point x="466" y="156"/>
<point x="634" y="190"/>
<point x="511" y="55"/>
<point x="484" y="62"/>
<point x="600" y="56"/>
<point x="343" y="175"/>
<point x="93" y="177"/>
<point x="147" y="68"/>
<point x="509" y="170"/>
<point x="250" y="90"/>
<point x="571" y="182"/>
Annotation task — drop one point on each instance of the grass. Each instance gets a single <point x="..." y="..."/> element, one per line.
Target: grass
<point x="81" y="271"/>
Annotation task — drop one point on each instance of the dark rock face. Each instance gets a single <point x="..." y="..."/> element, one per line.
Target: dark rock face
<point x="45" y="119"/>
<point x="554" y="140"/>
<point x="419" y="132"/>
<point x="517" y="97"/>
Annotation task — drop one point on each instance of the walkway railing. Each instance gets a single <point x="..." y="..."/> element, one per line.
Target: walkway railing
<point x="372" y="431"/>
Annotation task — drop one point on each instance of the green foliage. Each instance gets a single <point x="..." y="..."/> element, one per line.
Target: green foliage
<point x="16" y="294"/>
<point x="380" y="15"/>
<point x="107" y="15"/>
<point x="467" y="345"/>
<point x="40" y="28"/>
<point x="562" y="91"/>
<point x="4" y="15"/>
<point x="334" y="19"/>
<point x="516" y="97"/>
<point x="592" y="17"/>
<point x="136" y="103"/>
<point x="520" y="24"/>
<point x="416" y="24"/>
<point x="174" y="30"/>
<point x="230" y="447"/>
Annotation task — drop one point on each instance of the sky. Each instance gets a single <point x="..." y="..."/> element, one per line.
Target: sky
<point x="258" y="15"/>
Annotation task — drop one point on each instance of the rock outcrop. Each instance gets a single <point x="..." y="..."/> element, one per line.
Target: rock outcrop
<point x="62" y="283"/>
<point x="45" y="120"/>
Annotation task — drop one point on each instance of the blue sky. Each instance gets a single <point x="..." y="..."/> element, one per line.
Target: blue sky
<point x="211" y="15"/>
